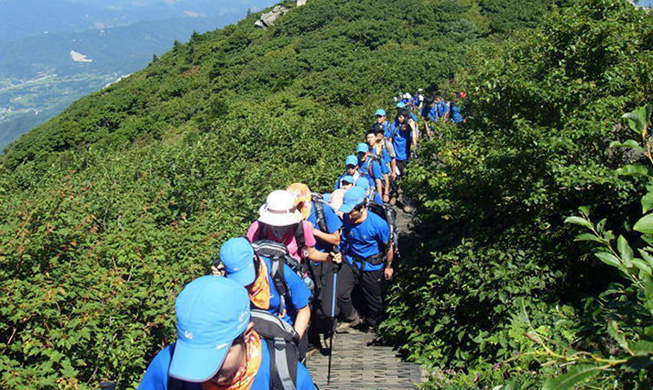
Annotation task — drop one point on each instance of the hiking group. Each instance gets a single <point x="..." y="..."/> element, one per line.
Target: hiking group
<point x="308" y="261"/>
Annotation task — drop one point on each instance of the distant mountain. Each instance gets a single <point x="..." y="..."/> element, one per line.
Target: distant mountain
<point x="23" y="18"/>
<point x="39" y="77"/>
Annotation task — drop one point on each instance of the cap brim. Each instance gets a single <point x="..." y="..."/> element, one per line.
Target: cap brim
<point x="244" y="277"/>
<point x="196" y="365"/>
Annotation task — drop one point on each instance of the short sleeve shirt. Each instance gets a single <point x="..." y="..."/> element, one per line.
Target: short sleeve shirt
<point x="156" y="376"/>
<point x="401" y="142"/>
<point x="332" y="221"/>
<point x="365" y="240"/>
<point x="372" y="172"/>
<point x="289" y="239"/>
<point x="298" y="293"/>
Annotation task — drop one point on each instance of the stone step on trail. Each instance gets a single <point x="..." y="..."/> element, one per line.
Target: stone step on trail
<point x="358" y="364"/>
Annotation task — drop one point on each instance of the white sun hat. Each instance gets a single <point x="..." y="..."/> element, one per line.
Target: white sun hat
<point x="279" y="209"/>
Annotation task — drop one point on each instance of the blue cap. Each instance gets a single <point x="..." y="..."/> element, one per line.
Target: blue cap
<point x="211" y="312"/>
<point x="237" y="256"/>
<point x="380" y="112"/>
<point x="351" y="160"/>
<point x="400" y="105"/>
<point x="348" y="179"/>
<point x="363" y="183"/>
<point x="353" y="197"/>
<point x="362" y="148"/>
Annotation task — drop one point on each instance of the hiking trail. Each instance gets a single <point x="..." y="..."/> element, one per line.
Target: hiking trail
<point x="359" y="363"/>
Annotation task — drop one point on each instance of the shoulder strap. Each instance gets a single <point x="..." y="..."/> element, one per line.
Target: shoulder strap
<point x="281" y="339"/>
<point x="299" y="237"/>
<point x="277" y="273"/>
<point x="319" y="214"/>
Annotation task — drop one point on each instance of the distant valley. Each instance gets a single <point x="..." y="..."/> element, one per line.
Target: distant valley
<point x="40" y="75"/>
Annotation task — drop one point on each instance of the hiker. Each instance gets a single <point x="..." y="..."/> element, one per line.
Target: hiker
<point x="443" y="109"/>
<point x="378" y="152"/>
<point x="370" y="168"/>
<point x="454" y="109"/>
<point x="256" y="274"/>
<point x="218" y="346"/>
<point x="418" y="100"/>
<point x="351" y="169"/>
<point x="429" y="115"/>
<point x="382" y="122"/>
<point x="280" y="221"/>
<point x="368" y="259"/>
<point x="381" y="119"/>
<point x="402" y="139"/>
<point x="326" y="229"/>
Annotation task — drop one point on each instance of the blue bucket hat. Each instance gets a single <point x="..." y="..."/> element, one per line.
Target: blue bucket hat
<point x="211" y="312"/>
<point x="362" y="148"/>
<point x="351" y="160"/>
<point x="353" y="197"/>
<point x="380" y="112"/>
<point x="237" y="256"/>
<point x="400" y="105"/>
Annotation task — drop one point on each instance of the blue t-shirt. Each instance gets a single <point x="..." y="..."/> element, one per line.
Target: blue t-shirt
<point x="298" y="294"/>
<point x="430" y="113"/>
<point x="384" y="158"/>
<point x="371" y="172"/>
<point x="456" y="116"/>
<point x="332" y="221"/>
<point x="443" y="108"/>
<point x="389" y="133"/>
<point x="365" y="239"/>
<point x="156" y="376"/>
<point x="401" y="142"/>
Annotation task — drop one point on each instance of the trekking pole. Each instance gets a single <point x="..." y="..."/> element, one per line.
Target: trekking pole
<point x="335" y="269"/>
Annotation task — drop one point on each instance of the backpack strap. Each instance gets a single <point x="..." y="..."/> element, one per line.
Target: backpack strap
<point x="281" y="340"/>
<point x="279" y="281"/>
<point x="299" y="237"/>
<point x="319" y="214"/>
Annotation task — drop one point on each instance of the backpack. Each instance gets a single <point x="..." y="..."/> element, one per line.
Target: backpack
<point x="318" y="202"/>
<point x="299" y="237"/>
<point x="279" y="256"/>
<point x="281" y="340"/>
<point x="389" y="215"/>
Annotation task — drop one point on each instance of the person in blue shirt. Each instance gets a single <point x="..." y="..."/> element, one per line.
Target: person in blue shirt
<point x="251" y="271"/>
<point x="454" y="111"/>
<point x="217" y="346"/>
<point x="326" y="229"/>
<point x="368" y="258"/>
<point x="351" y="169"/>
<point x="443" y="109"/>
<point x="429" y="115"/>
<point x="370" y="168"/>
<point x="403" y="140"/>
<point x="378" y="152"/>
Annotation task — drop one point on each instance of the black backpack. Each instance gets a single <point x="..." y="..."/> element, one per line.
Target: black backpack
<point x="279" y="256"/>
<point x="281" y="340"/>
<point x="389" y="215"/>
<point x="318" y="202"/>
